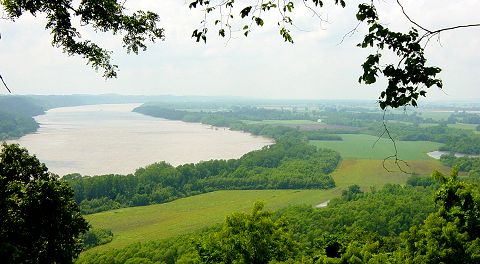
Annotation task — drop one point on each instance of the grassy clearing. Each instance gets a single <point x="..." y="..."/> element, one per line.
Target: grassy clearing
<point x="145" y="223"/>
<point x="437" y="116"/>
<point x="425" y="125"/>
<point x="280" y="122"/>
<point x="367" y="173"/>
<point x="472" y="127"/>
<point x="359" y="146"/>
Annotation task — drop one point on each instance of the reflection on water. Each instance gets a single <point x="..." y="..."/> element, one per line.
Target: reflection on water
<point x="437" y="154"/>
<point x="102" y="139"/>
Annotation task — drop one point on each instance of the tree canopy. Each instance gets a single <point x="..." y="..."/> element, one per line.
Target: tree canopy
<point x="103" y="16"/>
<point x="39" y="219"/>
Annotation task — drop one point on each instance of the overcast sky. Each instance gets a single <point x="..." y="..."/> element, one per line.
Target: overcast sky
<point x="260" y="66"/>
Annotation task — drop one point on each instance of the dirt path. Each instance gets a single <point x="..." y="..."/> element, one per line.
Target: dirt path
<point x="322" y="205"/>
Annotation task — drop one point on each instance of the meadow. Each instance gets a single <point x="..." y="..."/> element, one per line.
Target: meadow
<point x="471" y="127"/>
<point x="436" y="115"/>
<point x="371" y="173"/>
<point x="153" y="222"/>
<point x="360" y="146"/>
<point x="280" y="122"/>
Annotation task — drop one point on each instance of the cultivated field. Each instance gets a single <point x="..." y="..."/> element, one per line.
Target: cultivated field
<point x="368" y="173"/>
<point x="145" y="223"/>
<point x="472" y="127"/>
<point x="360" y="146"/>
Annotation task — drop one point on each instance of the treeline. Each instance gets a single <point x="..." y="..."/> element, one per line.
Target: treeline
<point x="362" y="117"/>
<point x="465" y="117"/>
<point x="454" y="139"/>
<point x="289" y="164"/>
<point x="235" y="117"/>
<point x="232" y="118"/>
<point x="16" y="116"/>
<point x="397" y="224"/>
<point x="405" y="127"/>
<point x="465" y="164"/>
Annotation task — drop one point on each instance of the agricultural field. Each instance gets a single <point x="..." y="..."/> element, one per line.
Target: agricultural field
<point x="280" y="122"/>
<point x="471" y="127"/>
<point x="360" y="146"/>
<point x="371" y="173"/>
<point x="436" y="115"/>
<point x="145" y="223"/>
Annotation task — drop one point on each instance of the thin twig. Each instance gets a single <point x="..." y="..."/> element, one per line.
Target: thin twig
<point x="1" y="78"/>
<point x="349" y="33"/>
<point x="397" y="161"/>
<point x="409" y="19"/>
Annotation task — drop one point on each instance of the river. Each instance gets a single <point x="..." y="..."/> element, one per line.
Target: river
<point x="437" y="154"/>
<point x="109" y="138"/>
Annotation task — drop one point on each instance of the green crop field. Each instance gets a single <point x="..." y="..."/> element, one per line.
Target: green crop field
<point x="280" y="122"/>
<point x="360" y="146"/>
<point x="145" y="223"/>
<point x="472" y="127"/>
<point x="367" y="173"/>
<point x="436" y="115"/>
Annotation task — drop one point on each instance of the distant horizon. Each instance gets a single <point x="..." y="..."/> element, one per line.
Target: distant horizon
<point x="426" y="99"/>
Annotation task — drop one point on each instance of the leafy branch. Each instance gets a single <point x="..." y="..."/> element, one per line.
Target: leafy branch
<point x="102" y="15"/>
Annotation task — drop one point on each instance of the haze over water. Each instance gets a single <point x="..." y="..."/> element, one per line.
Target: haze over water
<point x="104" y="139"/>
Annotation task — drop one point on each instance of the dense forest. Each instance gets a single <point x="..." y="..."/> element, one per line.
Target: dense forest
<point x="16" y="116"/>
<point x="465" y="164"/>
<point x="438" y="223"/>
<point x="289" y="164"/>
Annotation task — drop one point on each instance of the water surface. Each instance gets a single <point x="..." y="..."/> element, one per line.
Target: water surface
<point x="437" y="154"/>
<point x="103" y="139"/>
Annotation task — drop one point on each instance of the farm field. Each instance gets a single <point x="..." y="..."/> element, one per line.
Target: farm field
<point x="360" y="146"/>
<point x="472" y="127"/>
<point x="280" y="122"/>
<point x="436" y="115"/>
<point x="368" y="173"/>
<point x="145" y="223"/>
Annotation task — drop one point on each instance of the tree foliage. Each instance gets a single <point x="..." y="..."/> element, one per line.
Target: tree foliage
<point x="16" y="116"/>
<point x="101" y="15"/>
<point x="248" y="238"/>
<point x="39" y="219"/>
<point x="452" y="233"/>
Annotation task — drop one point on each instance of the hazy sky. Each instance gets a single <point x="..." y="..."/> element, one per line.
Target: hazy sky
<point x="262" y="65"/>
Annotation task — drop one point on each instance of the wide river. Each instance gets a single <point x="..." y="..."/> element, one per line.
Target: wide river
<point x="104" y="139"/>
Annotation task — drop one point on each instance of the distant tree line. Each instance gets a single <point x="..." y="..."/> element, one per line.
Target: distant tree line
<point x="289" y="164"/>
<point x="465" y="164"/>
<point x="16" y="116"/>
<point x="454" y="139"/>
<point x="465" y="117"/>
<point x="404" y="127"/>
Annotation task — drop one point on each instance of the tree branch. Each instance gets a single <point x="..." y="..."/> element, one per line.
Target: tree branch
<point x="1" y="78"/>
<point x="433" y="32"/>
